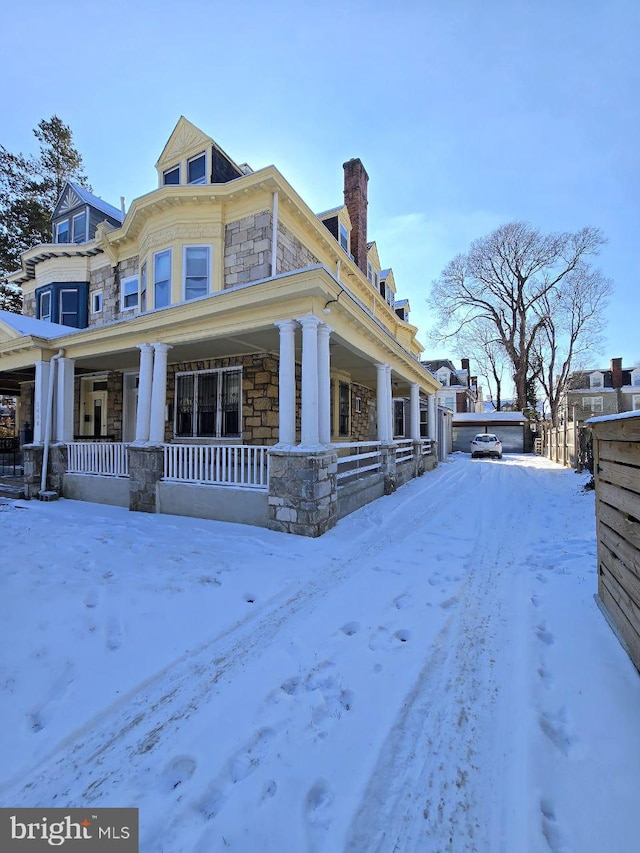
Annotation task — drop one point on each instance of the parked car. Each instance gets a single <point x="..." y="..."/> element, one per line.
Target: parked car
<point x="486" y="444"/>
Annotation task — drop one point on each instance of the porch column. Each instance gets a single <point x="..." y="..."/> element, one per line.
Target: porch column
<point x="158" y="393"/>
<point x="415" y="411"/>
<point x="143" y="415"/>
<point x="431" y="412"/>
<point x="64" y="399"/>
<point x="310" y="421"/>
<point x="382" y="403"/>
<point x="40" y="400"/>
<point x="287" y="384"/>
<point x="324" y="384"/>
<point x="390" y="411"/>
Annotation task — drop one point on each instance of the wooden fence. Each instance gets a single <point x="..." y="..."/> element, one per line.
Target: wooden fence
<point x="617" y="481"/>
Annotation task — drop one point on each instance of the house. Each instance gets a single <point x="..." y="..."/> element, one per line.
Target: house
<point x="460" y="391"/>
<point x="601" y="392"/>
<point x="220" y="351"/>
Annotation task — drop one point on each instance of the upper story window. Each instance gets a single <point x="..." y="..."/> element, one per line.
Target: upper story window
<point x="143" y="287"/>
<point x="96" y="302"/>
<point x="197" y="264"/>
<point x="45" y="306"/>
<point x="635" y="402"/>
<point x="62" y="232"/>
<point x="80" y="227"/>
<point x="635" y="377"/>
<point x="369" y="271"/>
<point x="171" y="176"/>
<point x="443" y="376"/>
<point x="344" y="237"/>
<point x="130" y="294"/>
<point x="162" y="278"/>
<point x="592" y="404"/>
<point x="69" y="299"/>
<point x="196" y="169"/>
<point x="596" y="380"/>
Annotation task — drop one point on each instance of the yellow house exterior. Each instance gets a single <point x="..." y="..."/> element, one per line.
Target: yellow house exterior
<point x="225" y="318"/>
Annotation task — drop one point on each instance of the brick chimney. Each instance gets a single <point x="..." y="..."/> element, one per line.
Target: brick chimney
<point x="616" y="372"/>
<point x="465" y="364"/>
<point x="355" y="198"/>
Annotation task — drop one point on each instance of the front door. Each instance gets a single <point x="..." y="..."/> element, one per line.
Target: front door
<point x="94" y="409"/>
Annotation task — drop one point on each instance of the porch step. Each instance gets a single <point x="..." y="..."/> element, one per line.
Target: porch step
<point x="15" y="492"/>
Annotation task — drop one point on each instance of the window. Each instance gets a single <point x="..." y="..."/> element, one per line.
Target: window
<point x="45" y="306"/>
<point x="443" y="377"/>
<point x="196" y="169"/>
<point x="450" y="403"/>
<point x="62" y="232"/>
<point x="162" y="279"/>
<point x="376" y="279"/>
<point x="69" y="307"/>
<point x="143" y="287"/>
<point x="635" y="377"/>
<point x="196" y="271"/>
<point x="344" y="409"/>
<point x="344" y="237"/>
<point x="635" y="402"/>
<point x="596" y="380"/>
<point x="129" y="291"/>
<point x="424" y="423"/>
<point x="96" y="302"/>
<point x="358" y="404"/>
<point x="208" y="403"/>
<point x="80" y="227"/>
<point x="369" y="271"/>
<point x="383" y="289"/>
<point x="398" y="417"/>
<point x="171" y="176"/>
<point x="592" y="404"/>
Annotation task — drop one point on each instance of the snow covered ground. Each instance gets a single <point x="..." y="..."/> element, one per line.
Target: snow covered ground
<point x="431" y="675"/>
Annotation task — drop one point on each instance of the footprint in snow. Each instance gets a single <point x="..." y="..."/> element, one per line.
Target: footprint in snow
<point x="403" y="601"/>
<point x="317" y="812"/>
<point x="114" y="636"/>
<point x="249" y="758"/>
<point x="178" y="771"/>
<point x="550" y="828"/>
<point x="350" y="628"/>
<point x="545" y="636"/>
<point x="555" y="727"/>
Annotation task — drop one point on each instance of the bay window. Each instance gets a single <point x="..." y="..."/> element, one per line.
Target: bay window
<point x="162" y="278"/>
<point x="197" y="264"/>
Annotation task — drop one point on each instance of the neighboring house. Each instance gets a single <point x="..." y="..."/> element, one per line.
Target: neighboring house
<point x="460" y="391"/>
<point x="219" y="328"/>
<point x="602" y="392"/>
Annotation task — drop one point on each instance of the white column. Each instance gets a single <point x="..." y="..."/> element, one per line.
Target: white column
<point x="158" y="393"/>
<point x="64" y="399"/>
<point x="324" y="384"/>
<point x="390" y="404"/>
<point x="382" y="403"/>
<point x="287" y="384"/>
<point x="310" y="436"/>
<point x="415" y="411"/>
<point x="143" y="414"/>
<point x="40" y="400"/>
<point x="433" y="427"/>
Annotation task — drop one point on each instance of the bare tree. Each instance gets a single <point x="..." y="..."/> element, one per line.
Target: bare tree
<point x="478" y="342"/>
<point x="503" y="280"/>
<point x="571" y="328"/>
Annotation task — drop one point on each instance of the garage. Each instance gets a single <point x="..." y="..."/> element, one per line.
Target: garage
<point x="512" y="428"/>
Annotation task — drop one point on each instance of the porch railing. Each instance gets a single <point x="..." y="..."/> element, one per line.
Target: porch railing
<point x="356" y="458"/>
<point x="108" y="459"/>
<point x="240" y="466"/>
<point x="426" y="446"/>
<point x="404" y="449"/>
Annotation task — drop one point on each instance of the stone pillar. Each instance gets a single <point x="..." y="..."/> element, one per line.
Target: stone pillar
<point x="64" y="400"/>
<point x="382" y="403"/>
<point x="287" y="384"/>
<point x="324" y="385"/>
<point x="146" y="469"/>
<point x="143" y="415"/>
<point x="40" y="400"/>
<point x="432" y="425"/>
<point x="32" y="461"/>
<point x="388" y="467"/>
<point x="58" y="456"/>
<point x="303" y="495"/>
<point x="310" y="437"/>
<point x="414" y="428"/>
<point x="158" y="393"/>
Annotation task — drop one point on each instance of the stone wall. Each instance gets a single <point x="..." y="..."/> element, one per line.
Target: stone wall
<point x="107" y="279"/>
<point x="29" y="305"/>
<point x="303" y="496"/>
<point x="364" y="423"/>
<point x="247" y="249"/>
<point x="291" y="254"/>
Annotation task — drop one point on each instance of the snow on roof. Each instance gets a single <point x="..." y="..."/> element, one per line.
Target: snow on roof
<point x="335" y="210"/>
<point x="619" y="417"/>
<point x="94" y="201"/>
<point x="490" y="417"/>
<point x="31" y="326"/>
<point x="385" y="273"/>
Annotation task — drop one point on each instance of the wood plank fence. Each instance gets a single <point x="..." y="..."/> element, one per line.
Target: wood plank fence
<point x="617" y="483"/>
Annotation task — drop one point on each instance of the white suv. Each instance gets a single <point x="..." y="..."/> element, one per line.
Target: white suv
<point x="486" y="444"/>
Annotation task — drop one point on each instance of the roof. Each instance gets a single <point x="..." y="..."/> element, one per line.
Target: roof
<point x="385" y="273"/>
<point x="435" y="365"/>
<point x="30" y="326"/>
<point x="490" y="418"/>
<point x="98" y="203"/>
<point x="619" y="417"/>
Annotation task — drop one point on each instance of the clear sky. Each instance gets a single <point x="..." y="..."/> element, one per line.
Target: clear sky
<point x="466" y="114"/>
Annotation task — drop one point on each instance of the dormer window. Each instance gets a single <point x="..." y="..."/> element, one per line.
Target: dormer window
<point x="171" y="176"/>
<point x="196" y="169"/>
<point x="635" y="377"/>
<point x="443" y="377"/>
<point x="596" y="380"/>
<point x="62" y="232"/>
<point x="369" y="271"/>
<point x="344" y="237"/>
<point x="80" y="227"/>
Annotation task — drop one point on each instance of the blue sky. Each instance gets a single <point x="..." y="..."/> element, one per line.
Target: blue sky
<point x="466" y="114"/>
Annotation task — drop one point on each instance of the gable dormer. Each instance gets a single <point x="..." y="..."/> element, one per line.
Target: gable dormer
<point x="78" y="213"/>
<point x="338" y="222"/>
<point x="402" y="308"/>
<point x="387" y="287"/>
<point x="635" y="377"/>
<point x="596" y="379"/>
<point x="373" y="265"/>
<point x="192" y="157"/>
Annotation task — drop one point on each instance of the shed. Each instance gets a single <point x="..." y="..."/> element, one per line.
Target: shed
<point x="510" y="427"/>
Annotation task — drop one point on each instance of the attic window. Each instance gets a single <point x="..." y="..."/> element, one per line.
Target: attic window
<point x="80" y="227"/>
<point x="171" y="176"/>
<point x="595" y="380"/>
<point x="635" y="378"/>
<point x="196" y="169"/>
<point x="62" y="232"/>
<point x="344" y="238"/>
